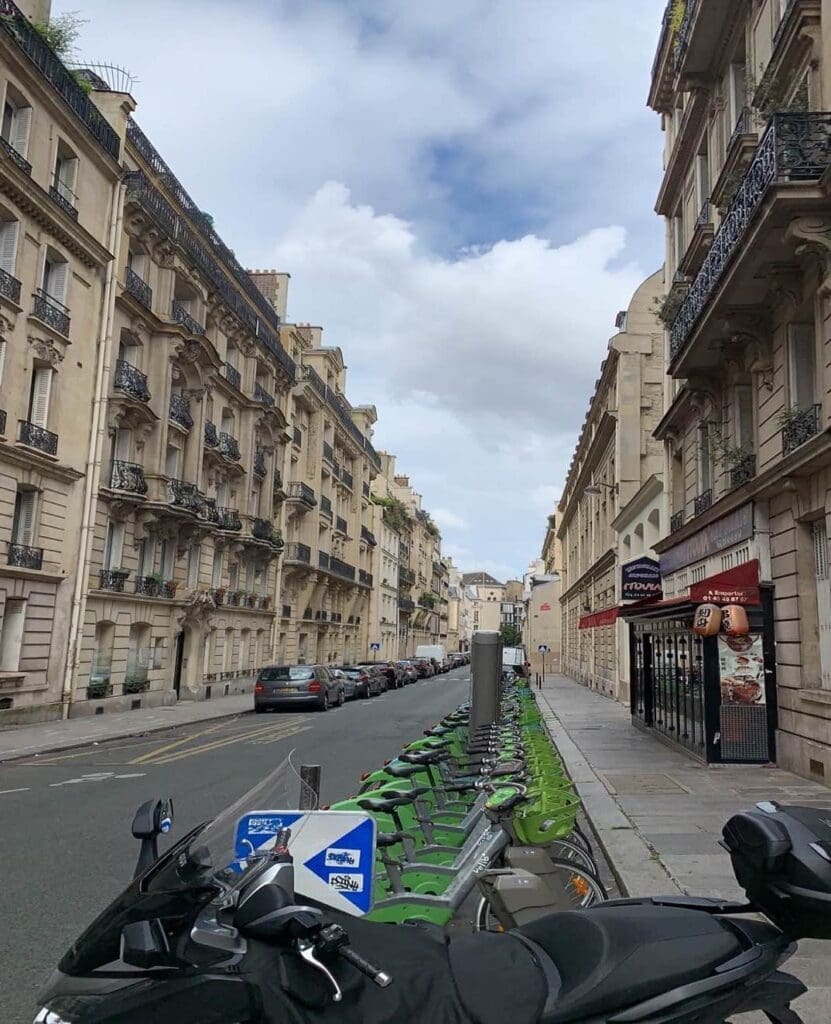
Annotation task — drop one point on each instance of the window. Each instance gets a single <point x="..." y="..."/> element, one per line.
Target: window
<point x="233" y="575"/>
<point x="744" y="418"/>
<point x="102" y="659"/>
<point x="23" y="524"/>
<point x="173" y="461"/>
<point x="705" y="459"/>
<point x="737" y="92"/>
<point x="216" y="570"/>
<point x="702" y="175"/>
<point x="819" y="536"/>
<point x="11" y="634"/>
<point x="2" y="358"/>
<point x="146" y="556"/>
<point x="113" y="545"/>
<point x="194" y="552"/>
<point x="55" y="277"/>
<point x="40" y="395"/>
<point x="166" y="558"/>
<point x="801" y="365"/>
<point x="66" y="174"/>
<point x="17" y="121"/>
<point x="8" y="245"/>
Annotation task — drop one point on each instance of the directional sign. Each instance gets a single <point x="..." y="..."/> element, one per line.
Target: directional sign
<point x="543" y="648"/>
<point x="334" y="853"/>
<point x="375" y="646"/>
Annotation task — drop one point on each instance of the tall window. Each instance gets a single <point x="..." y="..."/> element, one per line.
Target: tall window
<point x="167" y="557"/>
<point x="801" y="365"/>
<point x="9" y="230"/>
<point x="40" y="395"/>
<point x="744" y="418"/>
<point x="55" y="277"/>
<point x="216" y="569"/>
<point x="194" y="552"/>
<point x="11" y="634"/>
<point x="705" y="458"/>
<point x="819" y="535"/>
<point x="113" y="545"/>
<point x="23" y="523"/>
<point x="737" y="93"/>
<point x="66" y="174"/>
<point x="17" y="122"/>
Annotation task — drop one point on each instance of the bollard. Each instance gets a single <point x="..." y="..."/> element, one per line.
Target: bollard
<point x="309" y="787"/>
<point x="486" y="677"/>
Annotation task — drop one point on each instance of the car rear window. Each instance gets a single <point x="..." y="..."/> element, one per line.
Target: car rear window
<point x="353" y="673"/>
<point x="275" y="672"/>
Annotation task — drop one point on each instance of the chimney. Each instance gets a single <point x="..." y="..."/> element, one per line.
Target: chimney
<point x="274" y="286"/>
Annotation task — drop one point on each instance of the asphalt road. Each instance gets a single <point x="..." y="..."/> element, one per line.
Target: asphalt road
<point x="65" y="843"/>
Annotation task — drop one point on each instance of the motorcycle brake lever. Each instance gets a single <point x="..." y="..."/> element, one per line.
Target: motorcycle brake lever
<point x="306" y="949"/>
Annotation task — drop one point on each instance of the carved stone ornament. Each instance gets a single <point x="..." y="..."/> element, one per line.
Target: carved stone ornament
<point x="247" y="346"/>
<point x="187" y="352"/>
<point x="47" y="350"/>
<point x="785" y="285"/>
<point x="197" y="607"/>
<point x="6" y="325"/>
<point x="811" y="238"/>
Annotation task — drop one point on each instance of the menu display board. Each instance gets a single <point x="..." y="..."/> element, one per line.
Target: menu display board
<point x="742" y="664"/>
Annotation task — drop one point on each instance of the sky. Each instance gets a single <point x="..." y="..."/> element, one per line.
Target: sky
<point x="461" y="190"/>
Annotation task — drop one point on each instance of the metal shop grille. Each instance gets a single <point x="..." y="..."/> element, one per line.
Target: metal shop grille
<point x="744" y="733"/>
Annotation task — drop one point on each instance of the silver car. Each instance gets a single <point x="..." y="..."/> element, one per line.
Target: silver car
<point x="281" y="685"/>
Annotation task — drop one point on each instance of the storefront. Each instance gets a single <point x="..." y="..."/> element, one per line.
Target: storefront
<point x="715" y="696"/>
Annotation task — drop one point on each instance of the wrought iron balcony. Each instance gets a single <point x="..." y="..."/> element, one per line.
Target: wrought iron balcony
<point x="228" y="519"/>
<point x="185" y="495"/>
<point x="365" y="489"/>
<point x="51" y="312"/>
<point x="297" y="436"/>
<point x="368" y="536"/>
<point x="346" y="477"/>
<point x="340" y="524"/>
<point x="328" y="451"/>
<point x="9" y="287"/>
<point x="233" y="376"/>
<point x="336" y="467"/>
<point x="278" y="483"/>
<point x="25" y="557"/>
<point x="325" y="505"/>
<point x="703" y="501"/>
<point x="302" y="492"/>
<point x="261" y="395"/>
<point x="210" y="511"/>
<point x="229" y="447"/>
<point x="38" y="437"/>
<point x="2" y="422"/>
<point x="13" y="154"/>
<point x="406" y="604"/>
<point x="676" y="521"/>
<point x="795" y="148"/>
<point x="262" y="529"/>
<point x="128" y="476"/>
<point x="148" y="586"/>
<point x="323" y="559"/>
<point x="365" y="577"/>
<point x="211" y="436"/>
<point x="801" y="427"/>
<point x="296" y="552"/>
<point x="63" y="195"/>
<point x="131" y="381"/>
<point x="343" y="569"/>
<point x="138" y="288"/>
<point x="180" y="411"/>
<point x="112" y="579"/>
<point x="218" y="595"/>
<point x="182" y="316"/>
<point x="744" y="470"/>
<point x="259" y="463"/>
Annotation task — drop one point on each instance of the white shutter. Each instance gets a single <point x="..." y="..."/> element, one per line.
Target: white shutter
<point x="2" y="358"/>
<point x="8" y="245"/>
<point x="41" y="390"/>
<point x="56" y="279"/>
<point x="25" y="518"/>
<point x="67" y="173"/>
<point x="823" y="584"/>
<point x="20" y="129"/>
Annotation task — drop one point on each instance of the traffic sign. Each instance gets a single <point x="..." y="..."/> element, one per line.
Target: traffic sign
<point x="375" y="646"/>
<point x="543" y="648"/>
<point x="333" y="851"/>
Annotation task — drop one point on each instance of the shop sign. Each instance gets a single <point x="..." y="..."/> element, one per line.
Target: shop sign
<point x="723" y="533"/>
<point x="735" y="586"/>
<point x="640" y="579"/>
<point x="604" y="618"/>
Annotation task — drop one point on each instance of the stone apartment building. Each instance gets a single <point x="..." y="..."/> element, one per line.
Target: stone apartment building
<point x="743" y="92"/>
<point x="386" y="594"/>
<point x="614" y="463"/>
<point x="485" y="595"/>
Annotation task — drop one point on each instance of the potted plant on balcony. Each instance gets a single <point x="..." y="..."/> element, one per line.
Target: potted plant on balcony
<point x="219" y="595"/>
<point x="266" y="602"/>
<point x="251" y="600"/>
<point x="98" y="688"/>
<point x="136" y="684"/>
<point x="168" y="588"/>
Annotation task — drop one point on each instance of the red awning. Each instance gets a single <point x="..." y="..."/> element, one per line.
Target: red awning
<point x="735" y="586"/>
<point x="604" y="618"/>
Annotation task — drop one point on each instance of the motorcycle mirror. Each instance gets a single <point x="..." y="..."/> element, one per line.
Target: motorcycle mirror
<point x="144" y="944"/>
<point x="152" y="819"/>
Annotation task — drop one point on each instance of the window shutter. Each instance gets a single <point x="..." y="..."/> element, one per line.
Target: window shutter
<point x="56" y="280"/>
<point x="67" y="173"/>
<point x="41" y="390"/>
<point x="820" y="539"/>
<point x="20" y="130"/>
<point x="26" y="518"/>
<point x="8" y="245"/>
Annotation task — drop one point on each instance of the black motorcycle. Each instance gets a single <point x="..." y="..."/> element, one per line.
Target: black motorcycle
<point x="212" y="934"/>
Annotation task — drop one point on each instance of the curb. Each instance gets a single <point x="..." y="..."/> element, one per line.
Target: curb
<point x="635" y="864"/>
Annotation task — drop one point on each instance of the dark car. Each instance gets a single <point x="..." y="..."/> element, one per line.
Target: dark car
<point x="359" y="682"/>
<point x="408" y="671"/>
<point x="457" y="660"/>
<point x="424" y="667"/>
<point x="384" y="670"/>
<point x="281" y="685"/>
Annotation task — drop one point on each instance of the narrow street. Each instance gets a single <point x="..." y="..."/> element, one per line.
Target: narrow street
<point x="66" y="846"/>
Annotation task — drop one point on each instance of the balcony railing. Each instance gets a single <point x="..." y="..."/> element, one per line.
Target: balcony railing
<point x="229" y="447"/>
<point x="365" y="489"/>
<point x="112" y="579"/>
<point x="38" y="437"/>
<point x="302" y="492"/>
<point x="744" y="470"/>
<point x="795" y="148"/>
<point x="128" y="476"/>
<point x="9" y="287"/>
<point x="296" y="552"/>
<point x="233" y="376"/>
<point x="182" y="316"/>
<point x="406" y="604"/>
<point x="328" y="451"/>
<point x="346" y="477"/>
<point x="25" y="557"/>
<point x="703" y="501"/>
<point x="138" y="288"/>
<point x="365" y="577"/>
<point x="368" y="536"/>
<point x="676" y="521"/>
<point x="185" y="495"/>
<point x="180" y="411"/>
<point x="297" y="436"/>
<point x="343" y="569"/>
<point x="259" y="463"/>
<point x="63" y="195"/>
<point x="13" y="154"/>
<point x="323" y="559"/>
<point x="336" y="467"/>
<point x="340" y="524"/>
<point x="51" y="312"/>
<point x="228" y="519"/>
<point x="406" y="576"/>
<point x="152" y="586"/>
<point x="261" y="395"/>
<point x="802" y="426"/>
<point x="262" y="529"/>
<point x="325" y="505"/>
<point x="211" y="436"/>
<point x="131" y="381"/>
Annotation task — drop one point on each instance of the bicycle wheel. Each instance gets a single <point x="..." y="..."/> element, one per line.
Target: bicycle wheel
<point x="573" y="887"/>
<point x="485" y="919"/>
<point x="565" y="849"/>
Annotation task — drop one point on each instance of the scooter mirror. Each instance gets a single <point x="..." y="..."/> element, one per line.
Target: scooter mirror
<point x="151" y="820"/>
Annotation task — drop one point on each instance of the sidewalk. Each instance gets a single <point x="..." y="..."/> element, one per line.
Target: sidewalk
<point x="659" y="813"/>
<point x="30" y="740"/>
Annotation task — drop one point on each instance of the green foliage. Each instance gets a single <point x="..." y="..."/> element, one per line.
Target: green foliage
<point x="511" y="634"/>
<point x="61" y="33"/>
<point x="721" y="451"/>
<point x="676" y="17"/>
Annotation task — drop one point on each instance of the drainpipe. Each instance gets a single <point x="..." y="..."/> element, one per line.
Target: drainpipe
<point x="96" y="443"/>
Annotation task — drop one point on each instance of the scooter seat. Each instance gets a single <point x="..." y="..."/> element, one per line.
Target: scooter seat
<point x="612" y="957"/>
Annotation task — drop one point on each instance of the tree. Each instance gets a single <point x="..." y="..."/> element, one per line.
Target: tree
<point x="511" y="635"/>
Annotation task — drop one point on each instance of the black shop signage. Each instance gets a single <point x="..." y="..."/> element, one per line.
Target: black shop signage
<point x="640" y="579"/>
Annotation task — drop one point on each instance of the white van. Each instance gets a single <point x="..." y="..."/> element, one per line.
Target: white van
<point x="434" y="651"/>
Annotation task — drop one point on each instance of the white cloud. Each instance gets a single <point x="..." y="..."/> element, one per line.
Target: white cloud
<point x="447" y="520"/>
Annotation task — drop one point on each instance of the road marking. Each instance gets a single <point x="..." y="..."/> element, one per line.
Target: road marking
<point x="276" y="739"/>
<point x="24" y="789"/>
<point x="132" y="775"/>
<point x="142" y="758"/>
<point x="227" y="741"/>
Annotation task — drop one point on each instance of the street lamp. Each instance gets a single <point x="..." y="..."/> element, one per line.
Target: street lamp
<point x="595" y="490"/>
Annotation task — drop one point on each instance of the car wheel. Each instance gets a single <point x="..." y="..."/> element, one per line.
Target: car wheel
<point x="258" y="709"/>
<point x="341" y="698"/>
<point x="324" y="703"/>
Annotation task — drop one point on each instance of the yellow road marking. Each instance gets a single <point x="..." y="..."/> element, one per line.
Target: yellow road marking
<point x="276" y="739"/>
<point x="178" y="743"/>
<point x="205" y="748"/>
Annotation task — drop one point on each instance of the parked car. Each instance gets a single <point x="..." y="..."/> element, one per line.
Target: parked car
<point x="385" y="669"/>
<point x="408" y="671"/>
<point x="297" y="684"/>
<point x="357" y="682"/>
<point x="457" y="660"/>
<point x="373" y="670"/>
<point x="424" y="667"/>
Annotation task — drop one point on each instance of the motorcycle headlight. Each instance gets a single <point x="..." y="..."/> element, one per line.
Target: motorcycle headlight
<point x="48" y="1017"/>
